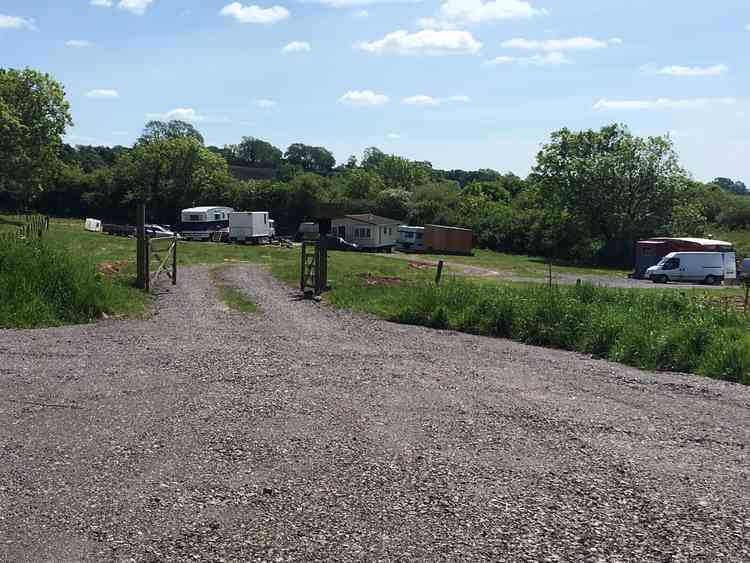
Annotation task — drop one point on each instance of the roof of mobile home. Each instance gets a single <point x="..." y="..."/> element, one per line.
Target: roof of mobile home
<point x="370" y="219"/>
<point x="205" y="209"/>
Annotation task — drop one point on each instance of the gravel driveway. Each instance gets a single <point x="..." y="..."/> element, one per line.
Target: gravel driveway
<point x="300" y="433"/>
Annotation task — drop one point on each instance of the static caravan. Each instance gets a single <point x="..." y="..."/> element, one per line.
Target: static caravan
<point x="200" y="223"/>
<point x="370" y="232"/>
<point x="411" y="239"/>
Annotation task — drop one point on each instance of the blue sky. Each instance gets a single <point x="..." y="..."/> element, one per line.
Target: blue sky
<point x="462" y="83"/>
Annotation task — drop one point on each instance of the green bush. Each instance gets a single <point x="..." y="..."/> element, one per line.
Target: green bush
<point x="44" y="286"/>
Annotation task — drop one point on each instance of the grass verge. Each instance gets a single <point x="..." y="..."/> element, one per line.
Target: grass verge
<point x="42" y="285"/>
<point x="662" y="330"/>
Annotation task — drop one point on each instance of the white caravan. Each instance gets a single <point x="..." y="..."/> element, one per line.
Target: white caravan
<point x="250" y="226"/>
<point x="697" y="267"/>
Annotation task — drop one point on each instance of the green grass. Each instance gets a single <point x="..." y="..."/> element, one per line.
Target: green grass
<point x="42" y="285"/>
<point x="237" y="300"/>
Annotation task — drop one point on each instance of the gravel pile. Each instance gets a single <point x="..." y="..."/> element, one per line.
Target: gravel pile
<point x="301" y="433"/>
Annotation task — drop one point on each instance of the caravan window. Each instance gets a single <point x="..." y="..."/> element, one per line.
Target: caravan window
<point x="195" y="217"/>
<point x="217" y="216"/>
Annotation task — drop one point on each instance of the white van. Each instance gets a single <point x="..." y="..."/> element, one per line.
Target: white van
<point x="698" y="267"/>
<point x="250" y="226"/>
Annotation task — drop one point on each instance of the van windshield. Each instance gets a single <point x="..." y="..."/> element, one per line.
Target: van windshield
<point x="671" y="264"/>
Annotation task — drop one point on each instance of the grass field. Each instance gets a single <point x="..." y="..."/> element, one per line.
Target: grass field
<point x="526" y="266"/>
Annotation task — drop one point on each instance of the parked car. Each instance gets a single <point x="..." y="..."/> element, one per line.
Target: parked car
<point x="337" y="243"/>
<point x="701" y="267"/>
<point x="159" y="231"/>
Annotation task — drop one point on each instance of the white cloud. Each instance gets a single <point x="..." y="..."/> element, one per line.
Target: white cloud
<point x="747" y="27"/>
<point x="255" y="14"/>
<point x="186" y="114"/>
<point x="137" y="7"/>
<point x="422" y="100"/>
<point x="455" y="13"/>
<point x="676" y="70"/>
<point x="363" y="98"/>
<point x="572" y="43"/>
<point x="265" y="103"/>
<point x="16" y="22"/>
<point x="425" y="42"/>
<point x="78" y="43"/>
<point x="103" y="94"/>
<point x="663" y="103"/>
<point x="361" y="14"/>
<point x="356" y="3"/>
<point x="393" y="136"/>
<point x="296" y="47"/>
<point x="615" y="41"/>
<point x="500" y="61"/>
<point x="546" y="59"/>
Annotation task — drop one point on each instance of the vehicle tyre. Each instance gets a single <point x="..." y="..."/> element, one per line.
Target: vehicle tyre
<point x="712" y="280"/>
<point x="660" y="279"/>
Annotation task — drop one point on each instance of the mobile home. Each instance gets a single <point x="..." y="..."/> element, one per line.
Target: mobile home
<point x="200" y="223"/>
<point x="370" y="232"/>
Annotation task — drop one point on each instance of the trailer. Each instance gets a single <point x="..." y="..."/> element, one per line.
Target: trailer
<point x="410" y="239"/>
<point x="250" y="226"/>
<point x="204" y="223"/>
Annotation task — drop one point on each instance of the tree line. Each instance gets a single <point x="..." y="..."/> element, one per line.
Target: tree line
<point x="591" y="194"/>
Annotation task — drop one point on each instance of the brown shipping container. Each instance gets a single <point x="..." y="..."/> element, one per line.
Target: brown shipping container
<point x="448" y="240"/>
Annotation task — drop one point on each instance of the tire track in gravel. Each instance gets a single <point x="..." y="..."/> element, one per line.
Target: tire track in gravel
<point x="303" y="433"/>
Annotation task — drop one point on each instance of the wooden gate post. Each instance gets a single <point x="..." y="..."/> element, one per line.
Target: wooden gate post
<point x="174" y="262"/>
<point x="141" y="258"/>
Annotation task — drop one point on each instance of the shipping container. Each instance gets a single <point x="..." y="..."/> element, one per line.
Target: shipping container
<point x="448" y="240"/>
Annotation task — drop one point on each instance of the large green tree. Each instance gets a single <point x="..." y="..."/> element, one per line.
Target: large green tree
<point x="311" y="159"/>
<point x="610" y="186"/>
<point x="166" y="130"/>
<point x="257" y="153"/>
<point x="33" y="117"/>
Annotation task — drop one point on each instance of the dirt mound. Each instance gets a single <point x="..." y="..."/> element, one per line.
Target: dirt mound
<point x="112" y="268"/>
<point x="383" y="281"/>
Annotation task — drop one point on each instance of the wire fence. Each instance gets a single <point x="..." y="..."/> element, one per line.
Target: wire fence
<point x="29" y="227"/>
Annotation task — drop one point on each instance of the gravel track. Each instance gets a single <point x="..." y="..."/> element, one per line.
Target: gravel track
<point x="301" y="433"/>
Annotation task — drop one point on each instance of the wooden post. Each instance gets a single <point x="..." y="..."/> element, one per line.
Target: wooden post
<point x="747" y="293"/>
<point x="141" y="248"/>
<point x="549" y="263"/>
<point x="439" y="272"/>
<point x="174" y="262"/>
<point x="147" y="263"/>
<point x="302" y="267"/>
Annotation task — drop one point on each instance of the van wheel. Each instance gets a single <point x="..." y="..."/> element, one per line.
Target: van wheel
<point x="712" y="280"/>
<point x="660" y="279"/>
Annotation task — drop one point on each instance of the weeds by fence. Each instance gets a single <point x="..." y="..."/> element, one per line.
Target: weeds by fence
<point x="28" y="227"/>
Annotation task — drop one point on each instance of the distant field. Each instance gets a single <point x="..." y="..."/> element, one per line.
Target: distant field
<point x="527" y="266"/>
<point x="10" y="223"/>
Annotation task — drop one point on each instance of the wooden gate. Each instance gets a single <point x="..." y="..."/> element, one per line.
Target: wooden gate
<point x="154" y="256"/>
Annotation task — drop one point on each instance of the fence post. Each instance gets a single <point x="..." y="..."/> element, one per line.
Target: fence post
<point x="174" y="262"/>
<point x="141" y="258"/>
<point x="439" y="272"/>
<point x="302" y="267"/>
